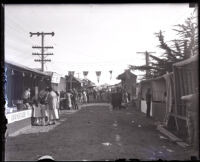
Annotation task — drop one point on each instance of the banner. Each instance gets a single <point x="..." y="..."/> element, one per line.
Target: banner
<point x="98" y="73"/>
<point x="85" y="73"/>
<point x="110" y="74"/>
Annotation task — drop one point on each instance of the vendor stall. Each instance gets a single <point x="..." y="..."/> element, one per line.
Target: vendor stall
<point x="186" y="83"/>
<point x="18" y="78"/>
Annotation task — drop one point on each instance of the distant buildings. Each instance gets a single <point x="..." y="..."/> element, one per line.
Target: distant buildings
<point x="128" y="83"/>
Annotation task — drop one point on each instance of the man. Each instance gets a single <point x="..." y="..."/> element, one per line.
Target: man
<point x="74" y="99"/>
<point x="113" y="99"/>
<point x="148" y="101"/>
<point x="26" y="97"/>
<point x="119" y="98"/>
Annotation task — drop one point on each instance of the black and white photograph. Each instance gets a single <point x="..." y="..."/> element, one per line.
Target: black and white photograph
<point x="92" y="82"/>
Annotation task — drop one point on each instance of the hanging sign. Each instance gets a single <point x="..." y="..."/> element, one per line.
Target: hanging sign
<point x="55" y="78"/>
<point x="98" y="73"/>
<point x="110" y="74"/>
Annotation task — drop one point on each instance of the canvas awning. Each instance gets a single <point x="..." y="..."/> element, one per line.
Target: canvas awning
<point x="187" y="61"/>
<point x="13" y="64"/>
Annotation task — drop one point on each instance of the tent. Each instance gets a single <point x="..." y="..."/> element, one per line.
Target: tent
<point x="161" y="105"/>
<point x="186" y="82"/>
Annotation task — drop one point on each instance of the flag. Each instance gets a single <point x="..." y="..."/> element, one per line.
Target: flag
<point x="98" y="73"/>
<point x="85" y="73"/>
<point x="110" y="74"/>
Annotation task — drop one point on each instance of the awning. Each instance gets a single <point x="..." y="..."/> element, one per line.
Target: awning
<point x="187" y="61"/>
<point x="25" y="68"/>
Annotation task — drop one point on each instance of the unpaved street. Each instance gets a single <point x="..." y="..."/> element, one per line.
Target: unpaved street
<point x="95" y="132"/>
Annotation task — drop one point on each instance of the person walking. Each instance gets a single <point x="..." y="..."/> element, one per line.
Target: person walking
<point x="148" y="102"/>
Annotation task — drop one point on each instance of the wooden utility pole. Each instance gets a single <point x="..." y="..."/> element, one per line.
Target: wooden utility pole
<point x="42" y="47"/>
<point x="147" y="60"/>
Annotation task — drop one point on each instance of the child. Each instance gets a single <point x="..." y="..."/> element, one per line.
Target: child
<point x="37" y="115"/>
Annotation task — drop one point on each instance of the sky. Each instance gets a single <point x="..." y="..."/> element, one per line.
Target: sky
<point x="90" y="37"/>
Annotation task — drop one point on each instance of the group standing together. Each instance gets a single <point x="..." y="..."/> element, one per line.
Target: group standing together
<point x="45" y="107"/>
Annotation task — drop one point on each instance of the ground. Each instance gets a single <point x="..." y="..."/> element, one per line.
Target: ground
<point x="96" y="132"/>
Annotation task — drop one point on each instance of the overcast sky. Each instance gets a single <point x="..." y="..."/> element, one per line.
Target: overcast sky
<point x="90" y="37"/>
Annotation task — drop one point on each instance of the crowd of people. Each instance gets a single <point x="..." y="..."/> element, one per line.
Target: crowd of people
<point x="47" y="105"/>
<point x="72" y="98"/>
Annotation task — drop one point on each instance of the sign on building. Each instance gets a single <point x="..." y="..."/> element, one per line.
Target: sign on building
<point x="55" y="78"/>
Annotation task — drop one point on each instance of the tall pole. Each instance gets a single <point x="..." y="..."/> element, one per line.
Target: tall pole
<point x="147" y="60"/>
<point x="70" y="81"/>
<point x="42" y="64"/>
<point x="42" y="47"/>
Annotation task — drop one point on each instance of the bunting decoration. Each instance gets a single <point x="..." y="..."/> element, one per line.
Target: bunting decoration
<point x="98" y="73"/>
<point x="85" y="73"/>
<point x="110" y="74"/>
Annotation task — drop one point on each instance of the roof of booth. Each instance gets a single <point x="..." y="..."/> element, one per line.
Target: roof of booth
<point x="125" y="74"/>
<point x="187" y="61"/>
<point x="158" y="78"/>
<point x="25" y="67"/>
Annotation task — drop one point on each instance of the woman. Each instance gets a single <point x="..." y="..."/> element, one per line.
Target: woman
<point x="52" y="101"/>
<point x="69" y="101"/>
<point x="57" y="106"/>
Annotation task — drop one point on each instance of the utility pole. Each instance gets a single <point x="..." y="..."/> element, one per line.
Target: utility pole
<point x="42" y="47"/>
<point x="147" y="60"/>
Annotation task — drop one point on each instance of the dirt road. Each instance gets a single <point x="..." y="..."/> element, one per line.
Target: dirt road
<point x="95" y="132"/>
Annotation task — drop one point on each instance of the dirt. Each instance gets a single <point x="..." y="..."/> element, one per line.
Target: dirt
<point x="97" y="133"/>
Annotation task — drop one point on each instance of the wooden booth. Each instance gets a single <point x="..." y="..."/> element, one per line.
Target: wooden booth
<point x="18" y="78"/>
<point x="186" y="82"/>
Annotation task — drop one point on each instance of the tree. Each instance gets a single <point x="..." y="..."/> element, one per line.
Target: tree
<point x="175" y="50"/>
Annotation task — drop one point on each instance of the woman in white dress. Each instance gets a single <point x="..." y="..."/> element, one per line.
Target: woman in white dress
<point x="69" y="95"/>
<point x="57" y="106"/>
<point x="52" y="102"/>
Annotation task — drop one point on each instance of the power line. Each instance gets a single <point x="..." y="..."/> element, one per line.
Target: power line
<point x="42" y="47"/>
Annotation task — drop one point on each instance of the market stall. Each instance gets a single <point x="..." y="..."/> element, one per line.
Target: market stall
<point x="18" y="79"/>
<point x="186" y="83"/>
